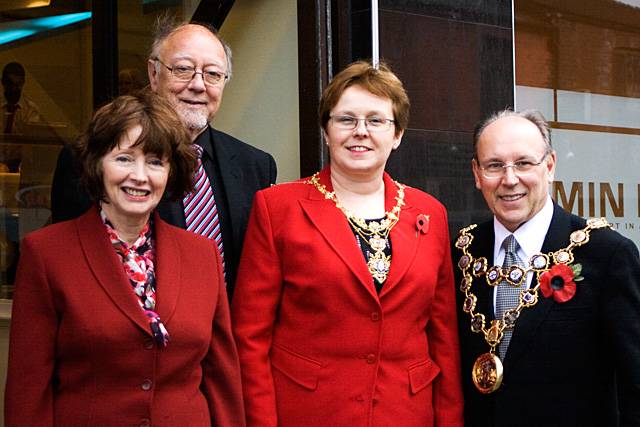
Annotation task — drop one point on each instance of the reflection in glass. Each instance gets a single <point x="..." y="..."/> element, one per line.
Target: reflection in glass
<point x="579" y="63"/>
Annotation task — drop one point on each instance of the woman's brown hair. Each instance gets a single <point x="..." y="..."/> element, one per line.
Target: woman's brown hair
<point x="163" y="134"/>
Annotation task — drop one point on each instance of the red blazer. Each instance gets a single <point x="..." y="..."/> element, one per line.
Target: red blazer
<point x="81" y="351"/>
<point x="318" y="346"/>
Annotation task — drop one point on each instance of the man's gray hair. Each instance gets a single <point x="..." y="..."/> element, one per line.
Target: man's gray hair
<point x="534" y="116"/>
<point x="166" y="25"/>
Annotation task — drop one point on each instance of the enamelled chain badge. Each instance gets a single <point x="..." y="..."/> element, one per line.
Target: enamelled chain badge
<point x="556" y="277"/>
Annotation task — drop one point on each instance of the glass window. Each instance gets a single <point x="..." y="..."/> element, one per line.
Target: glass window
<point x="579" y="63"/>
<point x="136" y="20"/>
<point x="46" y="101"/>
<point x="46" y="55"/>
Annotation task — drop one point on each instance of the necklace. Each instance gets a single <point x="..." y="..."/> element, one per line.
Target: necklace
<point x="487" y="370"/>
<point x="378" y="262"/>
<point x="374" y="233"/>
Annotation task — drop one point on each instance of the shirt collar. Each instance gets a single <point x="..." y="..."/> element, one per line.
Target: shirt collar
<point x="20" y="104"/>
<point x="530" y="235"/>
<point x="143" y="241"/>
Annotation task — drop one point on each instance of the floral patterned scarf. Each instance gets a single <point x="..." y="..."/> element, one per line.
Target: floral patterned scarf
<point x="138" y="261"/>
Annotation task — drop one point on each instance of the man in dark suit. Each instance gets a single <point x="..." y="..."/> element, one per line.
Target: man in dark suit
<point x="549" y="336"/>
<point x="190" y="66"/>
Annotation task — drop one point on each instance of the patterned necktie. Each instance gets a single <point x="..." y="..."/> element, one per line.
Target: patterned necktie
<point x="200" y="211"/>
<point x="508" y="296"/>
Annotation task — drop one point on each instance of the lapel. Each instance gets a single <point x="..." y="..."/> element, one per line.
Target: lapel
<point x="482" y="246"/>
<point x="335" y="229"/>
<point x="107" y="268"/>
<point x="231" y="178"/>
<point x="404" y="236"/>
<point x="168" y="270"/>
<point x="173" y="211"/>
<point x="531" y="318"/>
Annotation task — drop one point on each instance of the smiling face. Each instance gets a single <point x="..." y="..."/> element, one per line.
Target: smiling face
<point x="133" y="181"/>
<point x="360" y="152"/>
<point x="195" y="102"/>
<point x="514" y="199"/>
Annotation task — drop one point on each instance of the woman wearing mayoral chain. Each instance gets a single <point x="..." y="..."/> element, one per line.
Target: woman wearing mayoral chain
<point x="344" y="312"/>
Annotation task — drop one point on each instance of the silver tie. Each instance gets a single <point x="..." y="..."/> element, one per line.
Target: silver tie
<point x="508" y="296"/>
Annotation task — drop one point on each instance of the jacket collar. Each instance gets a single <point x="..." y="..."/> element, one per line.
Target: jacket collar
<point x="168" y="270"/>
<point x="111" y="277"/>
<point x="335" y="229"/>
<point x="226" y="158"/>
<point x="482" y="246"/>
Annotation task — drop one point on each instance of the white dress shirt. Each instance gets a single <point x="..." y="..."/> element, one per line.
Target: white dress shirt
<point x="530" y="237"/>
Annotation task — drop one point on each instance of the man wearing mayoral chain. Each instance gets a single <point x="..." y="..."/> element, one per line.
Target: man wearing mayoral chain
<point x="549" y="303"/>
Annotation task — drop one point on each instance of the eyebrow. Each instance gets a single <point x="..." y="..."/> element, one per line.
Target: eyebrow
<point x="191" y="59"/>
<point x="518" y="159"/>
<point x="369" y="114"/>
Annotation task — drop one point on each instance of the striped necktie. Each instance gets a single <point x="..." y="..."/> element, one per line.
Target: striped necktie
<point x="507" y="295"/>
<point x="200" y="211"/>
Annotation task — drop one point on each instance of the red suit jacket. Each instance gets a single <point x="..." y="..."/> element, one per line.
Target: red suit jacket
<point x="318" y="346"/>
<point x="81" y="351"/>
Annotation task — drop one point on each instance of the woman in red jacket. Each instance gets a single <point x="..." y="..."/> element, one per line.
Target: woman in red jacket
<point x="119" y="318"/>
<point x="344" y="311"/>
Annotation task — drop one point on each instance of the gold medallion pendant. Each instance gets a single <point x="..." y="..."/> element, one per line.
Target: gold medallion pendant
<point x="379" y="265"/>
<point x="377" y="243"/>
<point x="487" y="373"/>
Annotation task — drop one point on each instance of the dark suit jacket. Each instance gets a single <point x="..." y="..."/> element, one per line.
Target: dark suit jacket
<point x="241" y="168"/>
<point x="318" y="345"/>
<point x="81" y="350"/>
<point x="570" y="364"/>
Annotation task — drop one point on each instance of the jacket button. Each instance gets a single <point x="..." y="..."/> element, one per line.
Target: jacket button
<point x="145" y="422"/>
<point x="375" y="316"/>
<point x="146" y="385"/>
<point x="148" y="344"/>
<point x="371" y="358"/>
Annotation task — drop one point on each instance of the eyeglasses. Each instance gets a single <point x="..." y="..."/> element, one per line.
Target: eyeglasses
<point x="184" y="73"/>
<point x="373" y="124"/>
<point x="520" y="168"/>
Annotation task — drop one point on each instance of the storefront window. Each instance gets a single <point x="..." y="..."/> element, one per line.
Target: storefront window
<point x="46" y="56"/>
<point x="136" y="20"/>
<point x="578" y="61"/>
<point x="46" y="100"/>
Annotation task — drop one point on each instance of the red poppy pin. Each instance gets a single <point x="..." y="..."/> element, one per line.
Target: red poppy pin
<point x="422" y="223"/>
<point x="560" y="282"/>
